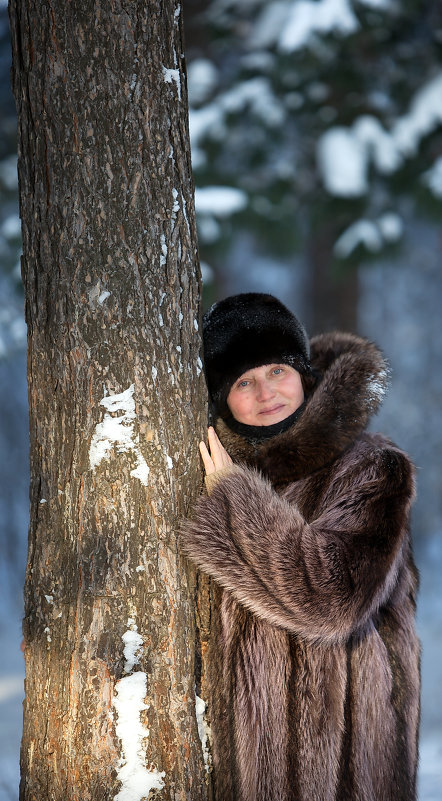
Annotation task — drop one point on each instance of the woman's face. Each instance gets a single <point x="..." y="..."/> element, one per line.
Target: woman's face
<point x="266" y="395"/>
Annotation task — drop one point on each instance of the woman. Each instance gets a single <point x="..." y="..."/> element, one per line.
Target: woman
<point x="315" y="660"/>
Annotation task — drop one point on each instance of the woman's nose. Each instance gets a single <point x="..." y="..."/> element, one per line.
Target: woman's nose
<point x="264" y="390"/>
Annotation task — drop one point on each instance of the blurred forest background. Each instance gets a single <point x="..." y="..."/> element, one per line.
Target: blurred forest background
<point x="316" y="130"/>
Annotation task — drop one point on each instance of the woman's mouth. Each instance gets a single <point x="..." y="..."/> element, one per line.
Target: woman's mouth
<point x="272" y="409"/>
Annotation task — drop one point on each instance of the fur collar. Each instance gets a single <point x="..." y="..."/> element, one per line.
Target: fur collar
<point x="354" y="379"/>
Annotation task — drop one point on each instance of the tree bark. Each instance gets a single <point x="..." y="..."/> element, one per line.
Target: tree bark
<point x="117" y="400"/>
<point x="333" y="296"/>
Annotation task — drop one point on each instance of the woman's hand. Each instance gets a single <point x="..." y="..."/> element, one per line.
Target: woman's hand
<point x="218" y="458"/>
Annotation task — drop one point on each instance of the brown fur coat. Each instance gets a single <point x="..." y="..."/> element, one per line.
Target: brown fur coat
<point x="315" y="691"/>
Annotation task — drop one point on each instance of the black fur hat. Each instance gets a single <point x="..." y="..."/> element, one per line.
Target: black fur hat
<point x="246" y="331"/>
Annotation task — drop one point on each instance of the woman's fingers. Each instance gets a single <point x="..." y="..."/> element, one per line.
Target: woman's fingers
<point x="218" y="453"/>
<point x="209" y="466"/>
<point x="218" y="456"/>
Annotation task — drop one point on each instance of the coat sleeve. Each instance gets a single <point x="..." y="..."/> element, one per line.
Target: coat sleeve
<point x="323" y="579"/>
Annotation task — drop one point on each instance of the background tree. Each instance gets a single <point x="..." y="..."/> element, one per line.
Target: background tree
<point x="116" y="400"/>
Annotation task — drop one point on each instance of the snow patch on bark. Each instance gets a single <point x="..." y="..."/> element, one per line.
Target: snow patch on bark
<point x="118" y="432"/>
<point x="203" y="731"/>
<point x="173" y="76"/>
<point x="164" y="250"/>
<point x="136" y="780"/>
<point x="133" y="646"/>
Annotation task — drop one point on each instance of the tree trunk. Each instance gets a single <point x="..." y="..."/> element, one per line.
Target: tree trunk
<point x="117" y="400"/>
<point x="333" y="295"/>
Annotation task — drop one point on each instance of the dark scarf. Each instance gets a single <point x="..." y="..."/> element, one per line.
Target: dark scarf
<point x="257" y="434"/>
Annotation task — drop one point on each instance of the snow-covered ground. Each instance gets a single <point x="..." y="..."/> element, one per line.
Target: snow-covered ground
<point x="430" y="628"/>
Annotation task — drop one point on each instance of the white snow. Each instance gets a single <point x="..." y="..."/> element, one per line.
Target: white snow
<point x="379" y="145"/>
<point x="176" y="203"/>
<point x="294" y="24"/>
<point x="141" y="471"/>
<point x="203" y="122"/>
<point x="383" y="5"/>
<point x="269" y="24"/>
<point x="173" y="76"/>
<point x="208" y="228"/>
<point x="118" y="432"/>
<point x="342" y="161"/>
<point x="43" y="500"/>
<point x="136" y="780"/>
<point x="373" y="234"/>
<point x="140" y="569"/>
<point x="49" y="599"/>
<point x="362" y="232"/>
<point x="344" y="154"/>
<point x="258" y="94"/>
<point x="207" y="274"/>
<point x="222" y="201"/>
<point x="154" y="372"/>
<point x="209" y="121"/>
<point x="133" y="646"/>
<point x="433" y="178"/>
<point x="377" y="386"/>
<point x="307" y="17"/>
<point x="391" y="226"/>
<point x="199" y="366"/>
<point x="104" y="295"/>
<point x="169" y="462"/>
<point x="18" y="330"/>
<point x="163" y="254"/>
<point x="11" y="227"/>
<point x="8" y="173"/>
<point x="202" y="77"/>
<point x="203" y="730"/>
<point x="424" y="116"/>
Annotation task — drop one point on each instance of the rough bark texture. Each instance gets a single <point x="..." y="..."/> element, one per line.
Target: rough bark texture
<point x="112" y="300"/>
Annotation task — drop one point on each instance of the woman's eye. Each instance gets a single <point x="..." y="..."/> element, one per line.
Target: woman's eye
<point x="277" y="370"/>
<point x="243" y="384"/>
